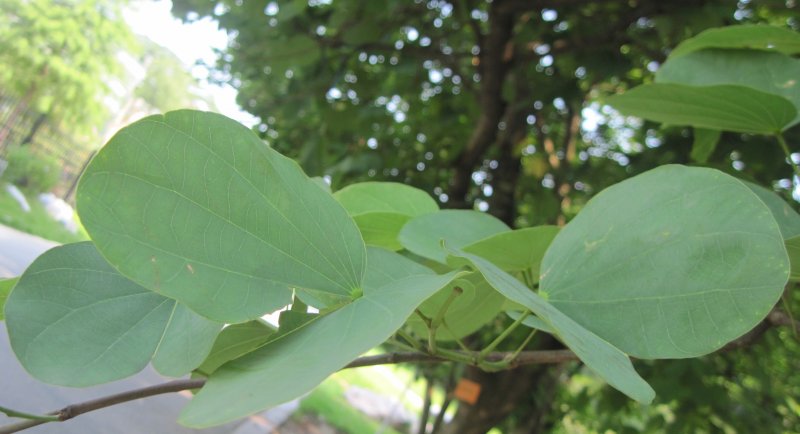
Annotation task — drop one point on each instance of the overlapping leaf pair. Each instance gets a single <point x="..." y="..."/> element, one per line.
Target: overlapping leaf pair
<point x="737" y="78"/>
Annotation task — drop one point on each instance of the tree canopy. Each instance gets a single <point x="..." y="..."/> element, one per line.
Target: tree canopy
<point x="58" y="56"/>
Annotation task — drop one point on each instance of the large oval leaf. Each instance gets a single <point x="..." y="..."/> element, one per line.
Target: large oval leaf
<point x="727" y="107"/>
<point x="749" y="36"/>
<point x="768" y="72"/>
<point x="672" y="263"/>
<point x="600" y="356"/>
<point x="423" y="235"/>
<point x="294" y="364"/>
<point x="194" y="206"/>
<point x="75" y="321"/>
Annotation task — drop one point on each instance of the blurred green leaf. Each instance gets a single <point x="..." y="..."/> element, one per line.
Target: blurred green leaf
<point x="380" y="209"/>
<point x="705" y="140"/>
<point x="768" y="72"/>
<point x="381" y="228"/>
<point x="728" y="107"/>
<point x="516" y="250"/>
<point x="793" y="250"/>
<point x="787" y="218"/>
<point x="423" y="235"/>
<point x="748" y="36"/>
<point x="368" y="197"/>
<point x="6" y="285"/>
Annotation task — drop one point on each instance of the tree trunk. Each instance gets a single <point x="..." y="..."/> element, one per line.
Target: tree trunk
<point x="16" y="114"/>
<point x="493" y="68"/>
<point x="37" y="124"/>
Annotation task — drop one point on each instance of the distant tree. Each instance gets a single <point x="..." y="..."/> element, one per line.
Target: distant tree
<point x="167" y="84"/>
<point x="57" y="56"/>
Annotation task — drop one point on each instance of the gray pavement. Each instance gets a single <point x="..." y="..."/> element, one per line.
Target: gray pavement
<point x="154" y="415"/>
<point x="18" y="249"/>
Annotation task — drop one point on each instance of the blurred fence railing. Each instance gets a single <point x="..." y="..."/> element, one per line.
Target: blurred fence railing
<point x="22" y="125"/>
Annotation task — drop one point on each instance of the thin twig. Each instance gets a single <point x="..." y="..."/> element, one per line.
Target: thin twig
<point x="74" y="410"/>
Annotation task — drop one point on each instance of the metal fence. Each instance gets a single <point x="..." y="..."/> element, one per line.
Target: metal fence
<point x="23" y="125"/>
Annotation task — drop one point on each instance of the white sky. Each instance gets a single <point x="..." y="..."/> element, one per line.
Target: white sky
<point x="190" y="42"/>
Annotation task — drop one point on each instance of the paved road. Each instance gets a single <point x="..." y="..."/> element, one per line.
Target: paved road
<point x="18" y="249"/>
<point x="18" y="390"/>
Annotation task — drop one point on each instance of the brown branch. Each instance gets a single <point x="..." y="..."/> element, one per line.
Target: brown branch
<point x="541" y="357"/>
<point x="74" y="410"/>
<point x="494" y="65"/>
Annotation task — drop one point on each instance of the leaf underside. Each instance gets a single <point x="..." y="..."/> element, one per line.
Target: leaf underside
<point x="695" y="262"/>
<point x="74" y="321"/>
<point x="194" y="206"/>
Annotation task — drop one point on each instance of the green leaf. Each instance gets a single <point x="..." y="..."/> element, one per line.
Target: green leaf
<point x="385" y="267"/>
<point x="531" y="321"/>
<point x="787" y="218"/>
<point x="290" y="320"/>
<point x="600" y="356"/>
<point x="705" y="141"/>
<point x="294" y="52"/>
<point x="747" y="36"/>
<point x="793" y="250"/>
<point x="390" y="197"/>
<point x="517" y="250"/>
<point x="788" y="222"/>
<point x="6" y="285"/>
<point x="423" y="235"/>
<point x="672" y="263"/>
<point x="296" y="363"/>
<point x="773" y="73"/>
<point x="728" y="107"/>
<point x="194" y="206"/>
<point x="362" y="32"/>
<point x="477" y="305"/>
<point x="381" y="229"/>
<point x="235" y="341"/>
<point x="321" y="183"/>
<point x="186" y="342"/>
<point x="75" y="321"/>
